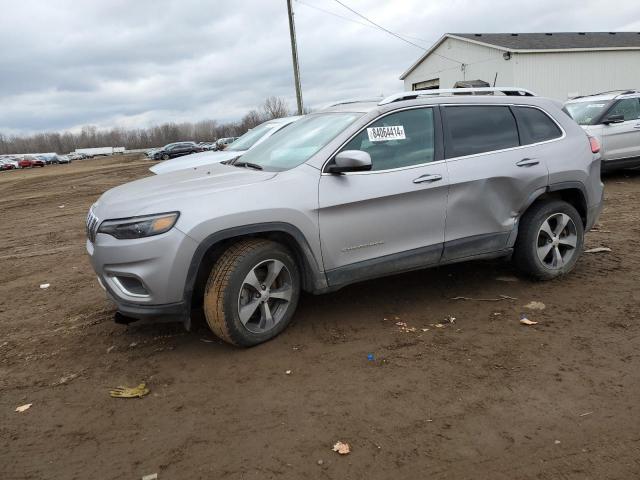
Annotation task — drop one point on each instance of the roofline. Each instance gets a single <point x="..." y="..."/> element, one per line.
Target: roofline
<point x="423" y="56"/>
<point x="505" y="49"/>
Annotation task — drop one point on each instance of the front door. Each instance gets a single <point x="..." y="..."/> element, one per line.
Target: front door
<point x="622" y="140"/>
<point x="391" y="218"/>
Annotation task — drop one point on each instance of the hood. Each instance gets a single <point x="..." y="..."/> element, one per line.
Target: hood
<point x="193" y="160"/>
<point x="163" y="193"/>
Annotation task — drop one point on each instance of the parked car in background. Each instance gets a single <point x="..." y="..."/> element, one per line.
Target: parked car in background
<point x="350" y="193"/>
<point x="223" y="143"/>
<point x="177" y="149"/>
<point x="76" y="156"/>
<point x="25" y="162"/>
<point x="246" y="142"/>
<point x="613" y="118"/>
<point x="64" y="159"/>
<point x="6" y="164"/>
<point x="37" y="161"/>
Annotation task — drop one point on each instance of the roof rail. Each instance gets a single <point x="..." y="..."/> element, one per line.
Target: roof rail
<point x="509" y="91"/>
<point x="355" y="100"/>
<point x="627" y="92"/>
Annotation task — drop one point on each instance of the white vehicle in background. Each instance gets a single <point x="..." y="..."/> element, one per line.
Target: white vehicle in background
<point x="613" y="118"/>
<point x="95" y="152"/>
<point x="246" y="142"/>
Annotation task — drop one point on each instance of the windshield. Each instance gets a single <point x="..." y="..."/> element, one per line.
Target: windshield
<point x="249" y="139"/>
<point x="584" y="113"/>
<point x="298" y="142"/>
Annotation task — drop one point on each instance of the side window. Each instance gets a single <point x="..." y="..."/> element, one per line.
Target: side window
<point x="629" y="107"/>
<point x="398" y="140"/>
<point x="476" y="129"/>
<point x="535" y="125"/>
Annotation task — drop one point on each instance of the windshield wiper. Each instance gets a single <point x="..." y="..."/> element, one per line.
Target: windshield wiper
<point x="247" y="164"/>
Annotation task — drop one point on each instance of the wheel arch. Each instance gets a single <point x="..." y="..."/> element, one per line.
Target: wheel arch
<point x="210" y="249"/>
<point x="574" y="193"/>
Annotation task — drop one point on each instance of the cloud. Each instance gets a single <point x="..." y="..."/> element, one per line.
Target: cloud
<point x="122" y="63"/>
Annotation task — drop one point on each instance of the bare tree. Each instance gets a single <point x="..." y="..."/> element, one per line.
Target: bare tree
<point x="91" y="136"/>
<point x="275" y="107"/>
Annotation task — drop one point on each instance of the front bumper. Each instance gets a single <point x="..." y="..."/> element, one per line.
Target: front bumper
<point x="144" y="277"/>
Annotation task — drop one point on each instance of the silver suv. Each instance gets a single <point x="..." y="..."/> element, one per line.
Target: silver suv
<point x="613" y="118"/>
<point x="356" y="191"/>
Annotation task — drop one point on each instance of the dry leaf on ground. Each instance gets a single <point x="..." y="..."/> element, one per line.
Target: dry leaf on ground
<point x="342" y="448"/>
<point x="526" y="321"/>
<point x="23" y="408"/>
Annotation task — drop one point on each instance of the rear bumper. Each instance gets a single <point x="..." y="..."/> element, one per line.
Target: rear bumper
<point x="593" y="213"/>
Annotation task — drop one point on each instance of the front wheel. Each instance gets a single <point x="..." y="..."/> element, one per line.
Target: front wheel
<point x="550" y="240"/>
<point x="165" y="157"/>
<point x="252" y="292"/>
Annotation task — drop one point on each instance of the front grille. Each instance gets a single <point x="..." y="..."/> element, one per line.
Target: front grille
<point x="92" y="226"/>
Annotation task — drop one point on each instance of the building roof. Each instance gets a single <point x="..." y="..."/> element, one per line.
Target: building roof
<point x="541" y="42"/>
<point x="556" y="40"/>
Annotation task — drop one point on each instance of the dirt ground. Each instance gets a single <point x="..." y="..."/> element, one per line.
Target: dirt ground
<point x="481" y="398"/>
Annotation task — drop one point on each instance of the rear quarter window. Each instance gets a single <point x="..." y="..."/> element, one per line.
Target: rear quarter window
<point x="535" y="126"/>
<point x="476" y="129"/>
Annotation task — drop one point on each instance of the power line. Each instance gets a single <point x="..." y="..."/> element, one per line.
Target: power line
<point x="393" y="33"/>
<point x="368" y="25"/>
<point x="379" y="26"/>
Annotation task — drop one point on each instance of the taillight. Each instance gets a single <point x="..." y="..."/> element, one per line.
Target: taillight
<point x="595" y="144"/>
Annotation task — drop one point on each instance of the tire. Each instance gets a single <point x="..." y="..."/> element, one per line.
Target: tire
<point x="542" y="252"/>
<point x="231" y="286"/>
<point x="165" y="157"/>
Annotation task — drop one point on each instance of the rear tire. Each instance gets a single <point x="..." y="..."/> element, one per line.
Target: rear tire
<point x="252" y="292"/>
<point x="550" y="240"/>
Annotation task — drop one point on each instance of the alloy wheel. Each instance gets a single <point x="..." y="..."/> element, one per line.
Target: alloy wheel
<point x="265" y="296"/>
<point x="557" y="241"/>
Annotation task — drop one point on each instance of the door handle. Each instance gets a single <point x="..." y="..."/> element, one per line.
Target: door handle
<point x="428" y="178"/>
<point x="527" y="162"/>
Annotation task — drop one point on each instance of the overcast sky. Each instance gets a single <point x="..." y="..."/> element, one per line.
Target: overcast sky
<point x="134" y="63"/>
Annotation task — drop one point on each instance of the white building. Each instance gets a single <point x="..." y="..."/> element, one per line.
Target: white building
<point x="556" y="65"/>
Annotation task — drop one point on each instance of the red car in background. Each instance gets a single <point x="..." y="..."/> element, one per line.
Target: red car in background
<point x="25" y="163"/>
<point x="29" y="161"/>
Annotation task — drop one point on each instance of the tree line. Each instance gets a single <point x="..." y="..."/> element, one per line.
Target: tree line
<point x="156" y="136"/>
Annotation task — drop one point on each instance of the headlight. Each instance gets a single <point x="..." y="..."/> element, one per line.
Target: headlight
<point x="139" y="227"/>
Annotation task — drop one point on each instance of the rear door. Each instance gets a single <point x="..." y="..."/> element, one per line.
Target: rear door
<point x="391" y="218"/>
<point x="493" y="171"/>
<point x="622" y="140"/>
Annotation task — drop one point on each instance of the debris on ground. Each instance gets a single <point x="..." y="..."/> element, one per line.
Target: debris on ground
<point x="499" y="299"/>
<point x="342" y="448"/>
<point x="133" y="344"/>
<point x="65" y="379"/>
<point x="320" y="462"/>
<point x="371" y="357"/>
<point x="450" y="319"/>
<point x="23" y="408"/>
<point x="585" y="414"/>
<point x="439" y="325"/>
<point x="598" y="250"/>
<point x="525" y="321"/>
<point x="111" y="348"/>
<point x="152" y="476"/>
<point x="44" y="286"/>
<point x="425" y="329"/>
<point x="535" y="305"/>
<point x="557" y="442"/>
<point x="507" y="279"/>
<point x="206" y="340"/>
<point x="405" y="328"/>
<point x="129" y="392"/>
<point x="288" y="372"/>
<point x="60" y="206"/>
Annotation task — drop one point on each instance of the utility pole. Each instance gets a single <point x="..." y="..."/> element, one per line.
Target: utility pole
<point x="294" y="55"/>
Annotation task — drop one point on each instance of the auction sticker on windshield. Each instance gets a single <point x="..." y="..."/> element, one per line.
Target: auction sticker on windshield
<point x="383" y="134"/>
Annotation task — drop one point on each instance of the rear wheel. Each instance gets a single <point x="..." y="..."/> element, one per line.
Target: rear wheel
<point x="165" y="157"/>
<point x="550" y="240"/>
<point x="252" y="292"/>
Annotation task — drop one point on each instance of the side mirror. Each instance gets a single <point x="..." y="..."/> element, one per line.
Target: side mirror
<point x="351" y="161"/>
<point x="613" y="119"/>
